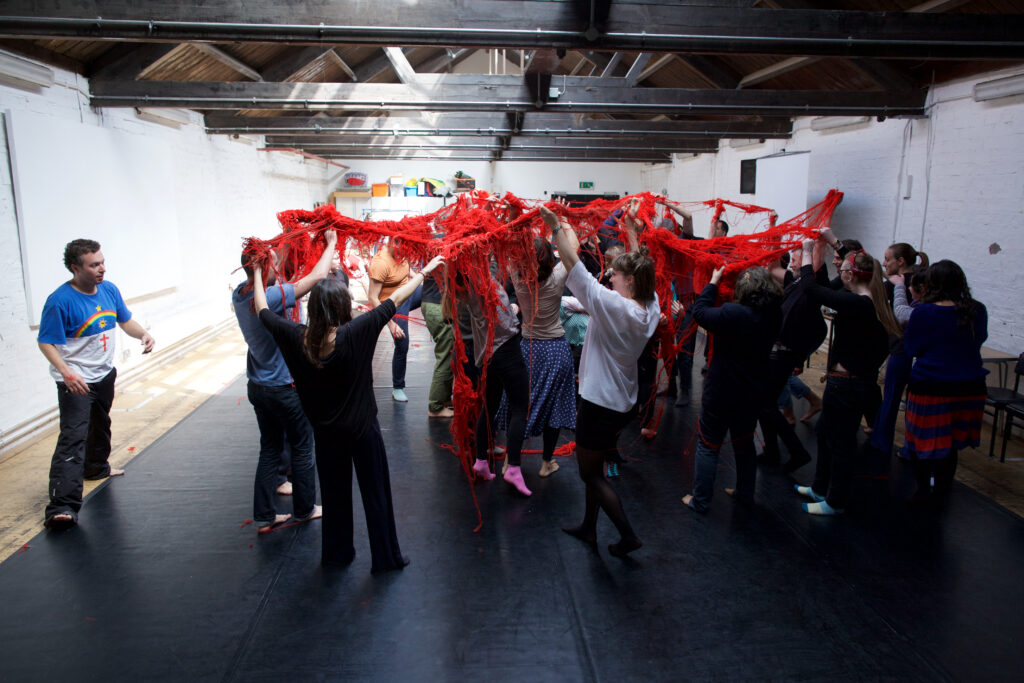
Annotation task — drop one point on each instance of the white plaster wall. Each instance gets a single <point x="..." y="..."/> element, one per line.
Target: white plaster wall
<point x="223" y="191"/>
<point x="966" y="193"/>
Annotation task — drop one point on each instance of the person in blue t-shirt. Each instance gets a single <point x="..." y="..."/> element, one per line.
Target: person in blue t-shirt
<point x="76" y="336"/>
<point x="273" y="397"/>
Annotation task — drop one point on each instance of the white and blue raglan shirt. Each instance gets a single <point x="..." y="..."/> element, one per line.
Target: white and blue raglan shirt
<point x="81" y="326"/>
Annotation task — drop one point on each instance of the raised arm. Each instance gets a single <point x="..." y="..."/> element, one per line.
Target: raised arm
<point x="321" y="269"/>
<point x="415" y="280"/>
<point x="259" y="296"/>
<point x="565" y="238"/>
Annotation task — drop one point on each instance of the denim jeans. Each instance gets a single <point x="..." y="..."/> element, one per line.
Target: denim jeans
<point x="83" y="447"/>
<point x="280" y="416"/>
<point x="715" y="422"/>
<point x="398" y="359"/>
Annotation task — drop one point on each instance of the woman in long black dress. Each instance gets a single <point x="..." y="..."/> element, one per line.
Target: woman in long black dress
<point x="330" y="362"/>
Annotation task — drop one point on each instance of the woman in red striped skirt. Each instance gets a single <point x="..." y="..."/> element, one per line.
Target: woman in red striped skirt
<point x="946" y="396"/>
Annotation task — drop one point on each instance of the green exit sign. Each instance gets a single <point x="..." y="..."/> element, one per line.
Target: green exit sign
<point x="586" y="185"/>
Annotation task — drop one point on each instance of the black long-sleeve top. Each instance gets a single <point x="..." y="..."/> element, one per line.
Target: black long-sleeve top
<point x="860" y="343"/>
<point x="803" y="329"/>
<point x="338" y="397"/>
<point x="743" y="339"/>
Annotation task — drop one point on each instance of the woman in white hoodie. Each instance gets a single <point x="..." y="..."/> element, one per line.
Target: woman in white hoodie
<point x="622" y="320"/>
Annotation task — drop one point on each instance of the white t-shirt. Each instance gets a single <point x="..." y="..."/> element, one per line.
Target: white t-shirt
<point x="618" y="331"/>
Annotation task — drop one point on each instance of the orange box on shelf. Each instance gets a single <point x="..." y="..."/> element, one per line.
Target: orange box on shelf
<point x="380" y="189"/>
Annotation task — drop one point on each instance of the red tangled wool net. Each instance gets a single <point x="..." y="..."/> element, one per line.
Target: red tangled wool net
<point x="479" y="229"/>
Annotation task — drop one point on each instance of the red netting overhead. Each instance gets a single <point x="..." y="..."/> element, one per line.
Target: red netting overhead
<point x="478" y="230"/>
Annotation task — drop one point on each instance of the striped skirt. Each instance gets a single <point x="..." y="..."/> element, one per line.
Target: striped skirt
<point x="940" y="422"/>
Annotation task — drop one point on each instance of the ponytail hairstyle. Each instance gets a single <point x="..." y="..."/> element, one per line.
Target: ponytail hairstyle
<point x="910" y="256"/>
<point x="757" y="289"/>
<point x="545" y="258"/>
<point x="945" y="281"/>
<point x="865" y="268"/>
<point x="640" y="265"/>
<point x="330" y="305"/>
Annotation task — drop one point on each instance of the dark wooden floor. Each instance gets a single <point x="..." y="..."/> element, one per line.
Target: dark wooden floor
<point x="163" y="581"/>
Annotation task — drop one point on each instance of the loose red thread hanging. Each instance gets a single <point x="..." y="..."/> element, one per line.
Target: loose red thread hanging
<point x="479" y="230"/>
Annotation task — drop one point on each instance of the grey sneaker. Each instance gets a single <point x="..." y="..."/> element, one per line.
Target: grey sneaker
<point x="399" y="395"/>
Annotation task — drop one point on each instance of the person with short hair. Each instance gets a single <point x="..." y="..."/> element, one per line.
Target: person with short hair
<point x="737" y="385"/>
<point x="73" y="336"/>
<point x="274" y="400"/>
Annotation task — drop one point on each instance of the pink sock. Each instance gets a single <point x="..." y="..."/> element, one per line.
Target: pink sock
<point x="514" y="476"/>
<point x="482" y="470"/>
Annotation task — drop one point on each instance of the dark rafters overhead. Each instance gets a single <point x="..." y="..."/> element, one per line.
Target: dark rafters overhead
<point x="575" y="80"/>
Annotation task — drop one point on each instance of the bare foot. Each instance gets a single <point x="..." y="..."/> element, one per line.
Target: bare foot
<point x="285" y="489"/>
<point x="648" y="433"/>
<point x="317" y="513"/>
<point x="687" y="499"/>
<point x="114" y="472"/>
<point x="444" y="412"/>
<point x="624" y="547"/>
<point x="267" y="527"/>
<point x="730" y="492"/>
<point x="548" y="467"/>
<point x="813" y="408"/>
<point x="59" y="521"/>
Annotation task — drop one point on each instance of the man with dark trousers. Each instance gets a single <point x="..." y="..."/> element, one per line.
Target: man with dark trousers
<point x="76" y="336"/>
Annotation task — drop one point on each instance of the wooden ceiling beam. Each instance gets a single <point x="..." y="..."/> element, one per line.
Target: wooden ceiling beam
<point x="449" y="92"/>
<point x="136" y="63"/>
<point x="680" y="28"/>
<point x="537" y="124"/>
<point x="227" y="60"/>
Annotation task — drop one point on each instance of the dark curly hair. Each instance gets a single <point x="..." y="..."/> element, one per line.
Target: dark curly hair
<point x="76" y="249"/>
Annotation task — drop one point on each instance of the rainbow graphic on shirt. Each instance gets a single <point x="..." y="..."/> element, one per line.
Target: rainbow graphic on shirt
<point x="98" y="315"/>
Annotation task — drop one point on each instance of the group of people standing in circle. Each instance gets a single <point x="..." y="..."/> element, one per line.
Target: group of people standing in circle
<point x="920" y="317"/>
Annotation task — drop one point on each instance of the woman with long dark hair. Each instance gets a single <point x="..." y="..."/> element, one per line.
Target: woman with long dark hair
<point x="947" y="391"/>
<point x="743" y="332"/>
<point x="330" y="362"/>
<point x="862" y="327"/>
<point x="622" y="320"/>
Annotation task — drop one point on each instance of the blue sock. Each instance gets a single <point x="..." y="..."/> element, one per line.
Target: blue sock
<point x="820" y="508"/>
<point x="809" y="492"/>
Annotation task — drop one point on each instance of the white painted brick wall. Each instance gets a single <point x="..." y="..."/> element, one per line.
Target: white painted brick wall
<point x="967" y="190"/>
<point x="224" y="191"/>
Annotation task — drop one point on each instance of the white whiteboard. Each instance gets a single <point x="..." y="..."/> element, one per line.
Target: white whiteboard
<point x="782" y="183"/>
<point x="74" y="180"/>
